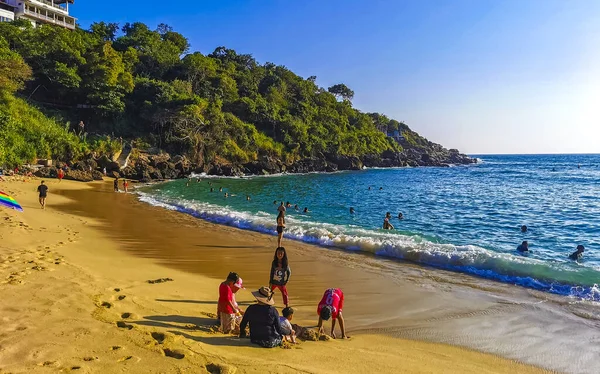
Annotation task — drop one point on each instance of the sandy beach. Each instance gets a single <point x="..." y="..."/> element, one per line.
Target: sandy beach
<point x="76" y="297"/>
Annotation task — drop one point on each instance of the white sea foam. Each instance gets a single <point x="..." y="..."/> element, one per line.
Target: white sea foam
<point x="505" y="267"/>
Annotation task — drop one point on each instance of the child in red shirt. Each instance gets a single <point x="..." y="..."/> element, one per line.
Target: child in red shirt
<point x="331" y="306"/>
<point x="227" y="307"/>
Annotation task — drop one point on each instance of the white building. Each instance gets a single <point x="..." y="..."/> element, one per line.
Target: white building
<point x="38" y="11"/>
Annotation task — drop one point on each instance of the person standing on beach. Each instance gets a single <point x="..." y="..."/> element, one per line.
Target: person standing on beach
<point x="43" y="193"/>
<point x="60" y="174"/>
<point x="280" y="273"/>
<point x="227" y="307"/>
<point x="331" y="306"/>
<point x="116" y="184"/>
<point x="125" y="185"/>
<point x="280" y="226"/>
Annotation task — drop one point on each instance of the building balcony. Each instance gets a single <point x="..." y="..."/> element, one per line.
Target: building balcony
<point x="52" y="5"/>
<point x="60" y="20"/>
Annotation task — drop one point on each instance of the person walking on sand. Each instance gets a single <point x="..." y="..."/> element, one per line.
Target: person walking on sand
<point x="116" y="184"/>
<point x="43" y="193"/>
<point x="331" y="306"/>
<point x="125" y="185"/>
<point x="60" y="174"/>
<point x="280" y="226"/>
<point x="280" y="273"/>
<point x="227" y="307"/>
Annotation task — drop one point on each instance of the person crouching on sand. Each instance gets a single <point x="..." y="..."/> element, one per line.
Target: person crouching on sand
<point x="286" y="325"/>
<point x="280" y="226"/>
<point x="227" y="307"/>
<point x="331" y="306"/>
<point x="280" y="273"/>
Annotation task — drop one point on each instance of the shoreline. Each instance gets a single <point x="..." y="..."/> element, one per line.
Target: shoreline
<point x="57" y="285"/>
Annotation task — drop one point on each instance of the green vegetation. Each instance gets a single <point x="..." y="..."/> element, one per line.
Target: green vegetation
<point x="133" y="82"/>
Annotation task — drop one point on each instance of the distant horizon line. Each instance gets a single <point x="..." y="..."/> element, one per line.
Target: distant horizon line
<point x="532" y="154"/>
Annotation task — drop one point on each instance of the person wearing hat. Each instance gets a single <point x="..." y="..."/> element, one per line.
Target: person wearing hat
<point x="578" y="254"/>
<point x="263" y="319"/>
<point x="331" y="307"/>
<point x="227" y="308"/>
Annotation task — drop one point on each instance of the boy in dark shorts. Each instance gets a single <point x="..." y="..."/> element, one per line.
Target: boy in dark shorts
<point x="43" y="191"/>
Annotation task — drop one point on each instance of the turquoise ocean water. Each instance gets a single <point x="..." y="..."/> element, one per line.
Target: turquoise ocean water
<point x="464" y="218"/>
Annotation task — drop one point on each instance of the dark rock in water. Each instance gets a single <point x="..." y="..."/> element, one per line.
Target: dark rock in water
<point x="155" y="173"/>
<point x="227" y="170"/>
<point x="98" y="176"/>
<point x="311" y="164"/>
<point x="78" y="175"/>
<point x="346" y="162"/>
<point x="46" y="172"/>
<point x="264" y="165"/>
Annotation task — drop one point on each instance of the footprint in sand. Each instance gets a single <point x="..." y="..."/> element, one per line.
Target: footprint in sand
<point x="123" y="325"/>
<point x="121" y="297"/>
<point x="128" y="358"/>
<point x="117" y="289"/>
<point x="106" y="304"/>
<point x="127" y="315"/>
<point x="49" y="363"/>
<point x="158" y="336"/>
<point x="159" y="280"/>
<point x="115" y="347"/>
<point x="173" y="353"/>
<point x="90" y="358"/>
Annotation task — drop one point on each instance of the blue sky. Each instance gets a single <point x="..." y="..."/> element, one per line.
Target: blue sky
<point x="479" y="75"/>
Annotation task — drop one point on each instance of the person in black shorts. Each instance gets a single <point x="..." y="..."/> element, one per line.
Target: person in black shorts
<point x="280" y="226"/>
<point x="43" y="191"/>
<point x="116" y="184"/>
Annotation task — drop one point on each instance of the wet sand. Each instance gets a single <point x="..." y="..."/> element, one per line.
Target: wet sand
<point x="389" y="297"/>
<point x="73" y="280"/>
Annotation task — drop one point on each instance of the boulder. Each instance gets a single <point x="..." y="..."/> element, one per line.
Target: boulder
<point x="46" y="172"/>
<point x="79" y="175"/>
<point x="105" y="162"/>
<point x="159" y="158"/>
<point x="97" y="176"/>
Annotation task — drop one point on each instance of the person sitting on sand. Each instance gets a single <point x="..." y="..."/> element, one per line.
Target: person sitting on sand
<point x="280" y="273"/>
<point x="226" y="306"/>
<point x="43" y="193"/>
<point x="263" y="318"/>
<point x="331" y="306"/>
<point x="280" y="226"/>
<point x="523" y="247"/>
<point x="523" y="228"/>
<point x="286" y="326"/>
<point x="578" y="254"/>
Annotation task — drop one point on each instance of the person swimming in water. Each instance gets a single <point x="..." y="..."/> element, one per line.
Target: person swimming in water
<point x="380" y="188"/>
<point x="369" y="188"/>
<point x="578" y="254"/>
<point x="296" y="207"/>
<point x="351" y="210"/>
<point x="305" y="210"/>
<point x="220" y="189"/>
<point x="523" y="247"/>
<point x="523" y="228"/>
<point x="212" y="189"/>
<point x="248" y="197"/>
<point x="287" y="204"/>
<point x="226" y="194"/>
<point x="400" y="216"/>
<point x="386" y="222"/>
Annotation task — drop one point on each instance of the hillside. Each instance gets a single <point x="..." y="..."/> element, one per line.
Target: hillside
<point x="222" y="113"/>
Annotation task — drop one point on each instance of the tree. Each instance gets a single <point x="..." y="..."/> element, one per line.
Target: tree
<point x="14" y="72"/>
<point x="340" y="90"/>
